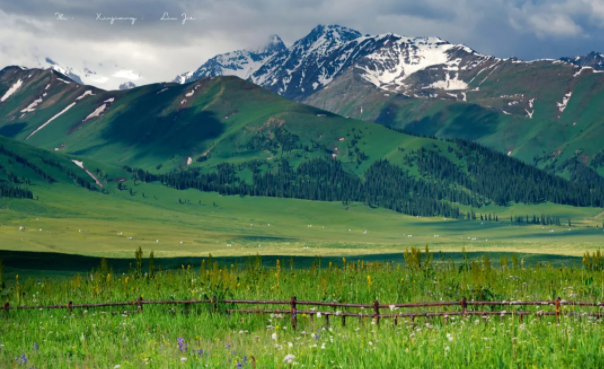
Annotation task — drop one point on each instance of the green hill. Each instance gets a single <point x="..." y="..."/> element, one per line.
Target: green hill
<point x="546" y="114"/>
<point x="228" y="135"/>
<point x="70" y="212"/>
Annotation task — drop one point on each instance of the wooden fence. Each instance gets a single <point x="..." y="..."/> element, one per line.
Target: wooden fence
<point x="375" y="307"/>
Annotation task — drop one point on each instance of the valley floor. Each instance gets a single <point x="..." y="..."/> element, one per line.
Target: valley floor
<point x="196" y="224"/>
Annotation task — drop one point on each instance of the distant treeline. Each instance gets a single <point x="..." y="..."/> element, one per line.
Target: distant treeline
<point x="23" y="161"/>
<point x="10" y="190"/>
<point x="489" y="217"/>
<point x="385" y="185"/>
<point x="502" y="179"/>
<point x="480" y="177"/>
<point x="15" y="191"/>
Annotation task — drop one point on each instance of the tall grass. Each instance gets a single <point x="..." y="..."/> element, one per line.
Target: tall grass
<point x="199" y="336"/>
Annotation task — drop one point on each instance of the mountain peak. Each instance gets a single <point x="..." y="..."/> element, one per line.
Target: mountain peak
<point x="127" y="85"/>
<point x="274" y="44"/>
<point x="333" y="32"/>
<point x="593" y="60"/>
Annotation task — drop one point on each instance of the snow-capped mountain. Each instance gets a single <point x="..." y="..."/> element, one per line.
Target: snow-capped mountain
<point x="415" y="67"/>
<point x="593" y="60"/>
<point x="293" y="72"/>
<point x="240" y="63"/>
<point x="387" y="61"/>
<point x="182" y="78"/>
<point x="127" y="85"/>
<point x="66" y="71"/>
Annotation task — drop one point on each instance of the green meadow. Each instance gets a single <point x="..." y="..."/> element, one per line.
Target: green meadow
<point x="79" y="222"/>
<point x="201" y="336"/>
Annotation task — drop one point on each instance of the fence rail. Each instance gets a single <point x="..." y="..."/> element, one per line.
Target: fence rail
<point x="375" y="307"/>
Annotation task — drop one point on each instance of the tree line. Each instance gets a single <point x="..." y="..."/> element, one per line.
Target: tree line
<point x="503" y="179"/>
<point x="384" y="185"/>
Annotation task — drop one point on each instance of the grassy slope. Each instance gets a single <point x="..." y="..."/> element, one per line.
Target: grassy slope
<point x="481" y="118"/>
<point x="210" y="221"/>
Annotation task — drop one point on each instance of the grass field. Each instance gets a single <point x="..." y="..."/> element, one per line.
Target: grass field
<point x="93" y="224"/>
<point x="200" y="337"/>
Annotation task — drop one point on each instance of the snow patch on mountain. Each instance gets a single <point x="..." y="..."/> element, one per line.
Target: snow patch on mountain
<point x="51" y="119"/>
<point x="11" y="90"/>
<point x="564" y="103"/>
<point x="96" y="113"/>
<point x="32" y="107"/>
<point x="531" y="106"/>
<point x="450" y="84"/>
<point x="86" y="93"/>
<point x="81" y="165"/>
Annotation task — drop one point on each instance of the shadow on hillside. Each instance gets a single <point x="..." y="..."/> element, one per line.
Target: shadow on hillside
<point x="12" y="130"/>
<point x="141" y="127"/>
<point x="45" y="264"/>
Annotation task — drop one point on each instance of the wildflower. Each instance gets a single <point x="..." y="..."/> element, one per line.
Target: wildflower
<point x="117" y="367"/>
<point x="36" y="347"/>
<point x="289" y="358"/>
<point x="22" y="359"/>
<point x="274" y="336"/>
<point x="182" y="345"/>
<point x="319" y="315"/>
<point x="316" y="336"/>
<point x="183" y="359"/>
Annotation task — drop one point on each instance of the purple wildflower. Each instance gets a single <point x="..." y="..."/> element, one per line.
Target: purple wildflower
<point x="22" y="359"/>
<point x="36" y="347"/>
<point x="198" y="352"/>
<point x="182" y="345"/>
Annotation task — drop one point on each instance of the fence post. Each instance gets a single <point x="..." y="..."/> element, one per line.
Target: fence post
<point x="139" y="303"/>
<point x="557" y="304"/>
<point x="464" y="307"/>
<point x="343" y="320"/>
<point x="293" y="311"/>
<point x="445" y="317"/>
<point x="327" y="320"/>
<point x="215" y="303"/>
<point x="69" y="307"/>
<point x="376" y="312"/>
<point x="396" y="320"/>
<point x="6" y="308"/>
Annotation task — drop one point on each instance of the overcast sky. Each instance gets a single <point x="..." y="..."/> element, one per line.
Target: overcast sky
<point x="158" y="50"/>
